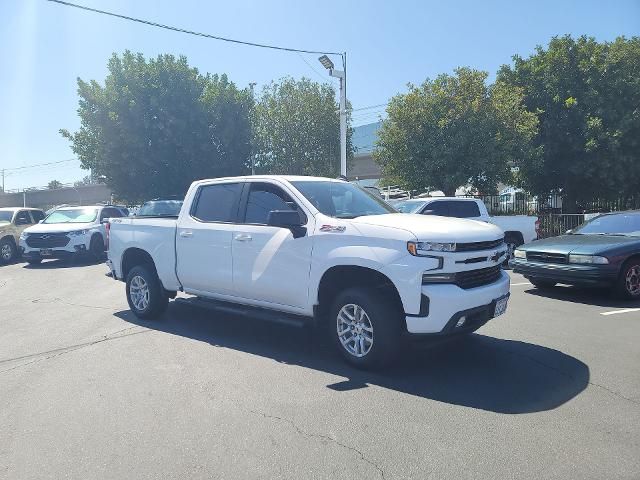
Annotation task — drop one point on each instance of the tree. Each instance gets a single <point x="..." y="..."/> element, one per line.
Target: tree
<point x="54" y="184"/>
<point x="454" y="131"/>
<point x="87" y="180"/>
<point x="155" y="126"/>
<point x="297" y="129"/>
<point x="586" y="95"/>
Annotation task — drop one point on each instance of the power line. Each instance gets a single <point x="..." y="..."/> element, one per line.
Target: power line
<point x="369" y="107"/>
<point x="191" y="32"/>
<point x="323" y="77"/>
<point x="40" y="164"/>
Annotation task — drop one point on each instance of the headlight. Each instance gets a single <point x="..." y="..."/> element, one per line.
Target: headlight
<point x="438" y="278"/>
<point x="419" y="249"/>
<point x="23" y="236"/>
<point x="77" y="233"/>
<point x="519" y="254"/>
<point x="593" y="259"/>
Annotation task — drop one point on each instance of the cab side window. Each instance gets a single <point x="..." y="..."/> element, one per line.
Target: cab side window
<point x="37" y="215"/>
<point x="265" y="197"/>
<point x="440" y="208"/>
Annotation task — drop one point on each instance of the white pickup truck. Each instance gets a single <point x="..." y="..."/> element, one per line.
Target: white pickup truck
<point x="518" y="229"/>
<point x="315" y="249"/>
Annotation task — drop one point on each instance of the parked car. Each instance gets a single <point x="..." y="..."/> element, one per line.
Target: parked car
<point x="604" y="251"/>
<point x="67" y="232"/>
<point x="160" y="208"/>
<point x="12" y="223"/>
<point x="518" y="229"/>
<point x="300" y="249"/>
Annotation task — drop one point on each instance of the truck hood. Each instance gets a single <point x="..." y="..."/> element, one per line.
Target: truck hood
<point x="59" y="227"/>
<point x="433" y="228"/>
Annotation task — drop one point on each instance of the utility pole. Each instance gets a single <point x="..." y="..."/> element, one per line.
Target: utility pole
<point x="253" y="157"/>
<point x="342" y="76"/>
<point x="3" y="180"/>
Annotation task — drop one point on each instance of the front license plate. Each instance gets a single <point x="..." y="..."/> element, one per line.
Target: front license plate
<point x="46" y="252"/>
<point x="501" y="306"/>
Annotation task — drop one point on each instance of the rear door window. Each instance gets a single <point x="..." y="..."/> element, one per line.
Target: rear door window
<point x="217" y="203"/>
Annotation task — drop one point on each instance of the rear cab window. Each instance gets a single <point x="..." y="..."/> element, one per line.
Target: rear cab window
<point x="217" y="203"/>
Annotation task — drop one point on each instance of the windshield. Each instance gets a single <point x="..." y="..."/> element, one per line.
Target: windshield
<point x="162" y="208"/>
<point x="6" y="216"/>
<point x="342" y="200"/>
<point x="408" y="207"/>
<point x="618" y="224"/>
<point x="75" y="215"/>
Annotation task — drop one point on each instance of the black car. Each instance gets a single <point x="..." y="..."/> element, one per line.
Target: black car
<point x="604" y="251"/>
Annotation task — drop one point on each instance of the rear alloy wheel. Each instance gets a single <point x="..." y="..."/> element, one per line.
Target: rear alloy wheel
<point x="542" y="284"/>
<point x="7" y="251"/>
<point x="629" y="282"/>
<point x="367" y="325"/>
<point x="145" y="294"/>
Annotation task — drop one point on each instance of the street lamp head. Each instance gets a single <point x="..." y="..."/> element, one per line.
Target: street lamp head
<point x="326" y="62"/>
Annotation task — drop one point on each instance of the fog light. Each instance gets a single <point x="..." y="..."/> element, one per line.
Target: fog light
<point x="461" y="322"/>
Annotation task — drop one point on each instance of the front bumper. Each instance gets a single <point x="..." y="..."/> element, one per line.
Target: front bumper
<point x="447" y="303"/>
<point x="569" y="274"/>
<point x="75" y="247"/>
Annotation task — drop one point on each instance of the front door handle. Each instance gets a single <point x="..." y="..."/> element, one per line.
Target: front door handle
<point x="243" y="237"/>
<point x="186" y="233"/>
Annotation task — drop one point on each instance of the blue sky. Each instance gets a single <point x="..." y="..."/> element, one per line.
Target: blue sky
<point x="44" y="47"/>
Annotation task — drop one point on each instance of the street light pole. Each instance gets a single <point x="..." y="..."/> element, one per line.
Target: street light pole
<point x="342" y="76"/>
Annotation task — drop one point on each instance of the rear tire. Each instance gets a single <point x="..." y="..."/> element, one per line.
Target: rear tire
<point x="628" y="286"/>
<point x="366" y="328"/>
<point x="542" y="284"/>
<point x="145" y="295"/>
<point x="8" y="250"/>
<point x="96" y="247"/>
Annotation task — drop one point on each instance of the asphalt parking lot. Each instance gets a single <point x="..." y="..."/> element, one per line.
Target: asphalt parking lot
<point x="549" y="390"/>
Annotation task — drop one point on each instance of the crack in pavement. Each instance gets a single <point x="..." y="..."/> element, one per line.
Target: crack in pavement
<point x="47" y="355"/>
<point x="321" y="436"/>
<point x="68" y="304"/>
<point x="568" y="375"/>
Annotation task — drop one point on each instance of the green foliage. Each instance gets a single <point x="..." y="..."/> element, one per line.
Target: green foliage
<point x="155" y="126"/>
<point x="87" y="180"/>
<point x="54" y="184"/>
<point x="586" y="95"/>
<point x="297" y="129"/>
<point x="454" y="131"/>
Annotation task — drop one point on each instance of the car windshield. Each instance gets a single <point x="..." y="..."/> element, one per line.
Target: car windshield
<point x="341" y="199"/>
<point x="160" y="208"/>
<point x="617" y="224"/>
<point x="406" y="206"/>
<point x="72" y="215"/>
<point x="5" y="216"/>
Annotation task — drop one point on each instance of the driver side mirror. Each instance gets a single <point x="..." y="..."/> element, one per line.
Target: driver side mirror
<point x="287" y="219"/>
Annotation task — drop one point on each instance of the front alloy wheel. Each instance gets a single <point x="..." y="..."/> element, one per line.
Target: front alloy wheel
<point x="355" y="330"/>
<point x="7" y="251"/>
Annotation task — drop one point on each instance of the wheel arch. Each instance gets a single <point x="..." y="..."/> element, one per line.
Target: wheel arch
<point x="133" y="257"/>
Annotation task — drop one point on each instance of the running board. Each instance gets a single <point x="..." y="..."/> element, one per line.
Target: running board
<point x="273" y="316"/>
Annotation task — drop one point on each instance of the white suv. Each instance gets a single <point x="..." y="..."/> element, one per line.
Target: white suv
<point x="68" y="232"/>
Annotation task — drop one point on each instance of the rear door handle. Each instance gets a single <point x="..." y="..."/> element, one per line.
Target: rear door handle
<point x="186" y="233"/>
<point x="243" y="237"/>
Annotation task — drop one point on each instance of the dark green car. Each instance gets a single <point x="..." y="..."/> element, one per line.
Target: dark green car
<point x="604" y="251"/>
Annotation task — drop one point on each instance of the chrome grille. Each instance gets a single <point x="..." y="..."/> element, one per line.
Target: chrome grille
<point x="546" y="257"/>
<point x="47" y="240"/>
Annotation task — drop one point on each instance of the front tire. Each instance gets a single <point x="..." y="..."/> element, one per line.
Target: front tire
<point x="8" y="250"/>
<point x="542" y="284"/>
<point x="145" y="295"/>
<point x="629" y="282"/>
<point x="365" y="327"/>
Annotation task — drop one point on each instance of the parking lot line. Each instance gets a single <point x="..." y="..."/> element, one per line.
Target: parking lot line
<point x="521" y="283"/>
<point x="624" y="310"/>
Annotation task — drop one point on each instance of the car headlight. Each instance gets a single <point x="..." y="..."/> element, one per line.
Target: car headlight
<point x="419" y="249"/>
<point x="519" y="254"/>
<point x="77" y="233"/>
<point x="592" y="259"/>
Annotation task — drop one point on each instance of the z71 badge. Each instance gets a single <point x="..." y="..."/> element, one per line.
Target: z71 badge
<point x="332" y="228"/>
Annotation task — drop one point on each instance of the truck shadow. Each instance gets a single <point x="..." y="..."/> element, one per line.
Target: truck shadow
<point x="63" y="263"/>
<point x="477" y="371"/>
<point x="587" y="296"/>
